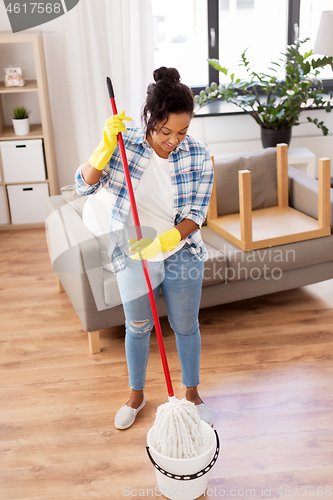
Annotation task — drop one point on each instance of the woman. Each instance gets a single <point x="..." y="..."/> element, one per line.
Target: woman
<point x="172" y="179"/>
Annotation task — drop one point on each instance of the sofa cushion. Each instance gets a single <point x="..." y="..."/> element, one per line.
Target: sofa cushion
<point x="54" y="203"/>
<point x="303" y="193"/>
<point x="270" y="262"/>
<point x="216" y="266"/>
<point x="262" y="165"/>
<point x="74" y="199"/>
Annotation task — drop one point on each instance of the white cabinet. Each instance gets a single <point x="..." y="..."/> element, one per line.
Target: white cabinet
<point x="27" y="202"/>
<point x="23" y="161"/>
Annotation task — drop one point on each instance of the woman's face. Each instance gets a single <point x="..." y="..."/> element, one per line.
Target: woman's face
<point x="169" y="133"/>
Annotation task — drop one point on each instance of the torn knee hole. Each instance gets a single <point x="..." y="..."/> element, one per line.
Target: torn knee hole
<point x="139" y="323"/>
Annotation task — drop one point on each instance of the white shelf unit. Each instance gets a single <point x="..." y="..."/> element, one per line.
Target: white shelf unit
<point x="43" y="130"/>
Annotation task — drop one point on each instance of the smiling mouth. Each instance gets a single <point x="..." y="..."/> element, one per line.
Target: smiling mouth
<point x="169" y="145"/>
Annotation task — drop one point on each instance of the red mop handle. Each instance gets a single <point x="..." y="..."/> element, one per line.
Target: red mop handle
<point x="139" y="236"/>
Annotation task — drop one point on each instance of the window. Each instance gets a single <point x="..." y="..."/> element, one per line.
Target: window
<point x="187" y="32"/>
<point x="180" y="38"/>
<point x="247" y="24"/>
<point x="264" y="27"/>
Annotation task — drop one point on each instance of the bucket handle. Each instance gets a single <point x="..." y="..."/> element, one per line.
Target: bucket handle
<point x="188" y="477"/>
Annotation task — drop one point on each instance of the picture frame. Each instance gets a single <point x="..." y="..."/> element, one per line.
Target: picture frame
<point x="14" y="76"/>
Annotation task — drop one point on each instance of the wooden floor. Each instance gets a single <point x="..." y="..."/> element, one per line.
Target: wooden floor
<point x="266" y="373"/>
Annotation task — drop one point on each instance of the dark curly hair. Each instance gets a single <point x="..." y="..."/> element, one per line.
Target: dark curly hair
<point x="167" y="95"/>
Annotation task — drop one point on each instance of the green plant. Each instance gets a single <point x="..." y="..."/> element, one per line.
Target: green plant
<point x="273" y="103"/>
<point x="20" y="113"/>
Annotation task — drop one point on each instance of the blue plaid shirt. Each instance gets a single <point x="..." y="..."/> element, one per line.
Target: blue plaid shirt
<point x="192" y="180"/>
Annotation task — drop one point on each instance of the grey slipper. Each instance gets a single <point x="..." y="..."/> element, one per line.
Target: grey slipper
<point x="205" y="414"/>
<point x="126" y="416"/>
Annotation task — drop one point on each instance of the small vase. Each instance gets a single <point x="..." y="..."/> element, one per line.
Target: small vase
<point x="21" y="127"/>
<point x="270" y="137"/>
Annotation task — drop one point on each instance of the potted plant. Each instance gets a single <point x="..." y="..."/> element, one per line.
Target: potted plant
<point x="276" y="104"/>
<point x="20" y="119"/>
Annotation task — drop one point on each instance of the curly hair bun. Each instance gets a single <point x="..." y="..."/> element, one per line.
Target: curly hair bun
<point x="164" y="73"/>
<point x="167" y="95"/>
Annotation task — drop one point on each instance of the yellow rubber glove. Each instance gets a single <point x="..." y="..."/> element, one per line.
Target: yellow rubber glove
<point x="146" y="248"/>
<point x="104" y="150"/>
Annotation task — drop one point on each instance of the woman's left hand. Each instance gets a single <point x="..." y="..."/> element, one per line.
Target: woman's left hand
<point x="146" y="248"/>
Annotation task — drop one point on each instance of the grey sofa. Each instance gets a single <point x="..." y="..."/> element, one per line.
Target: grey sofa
<point x="230" y="274"/>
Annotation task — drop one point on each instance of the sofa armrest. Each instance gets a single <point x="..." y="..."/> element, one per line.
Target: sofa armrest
<point x="67" y="236"/>
<point x="303" y="193"/>
<point x="76" y="259"/>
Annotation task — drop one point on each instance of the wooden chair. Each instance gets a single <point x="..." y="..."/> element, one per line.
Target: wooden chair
<point x="253" y="229"/>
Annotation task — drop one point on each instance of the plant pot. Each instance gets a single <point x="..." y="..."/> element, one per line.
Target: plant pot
<point x="21" y="127"/>
<point x="270" y="137"/>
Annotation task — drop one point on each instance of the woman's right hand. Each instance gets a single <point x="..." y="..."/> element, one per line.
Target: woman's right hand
<point x="102" y="154"/>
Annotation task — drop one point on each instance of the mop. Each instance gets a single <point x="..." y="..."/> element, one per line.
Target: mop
<point x="177" y="429"/>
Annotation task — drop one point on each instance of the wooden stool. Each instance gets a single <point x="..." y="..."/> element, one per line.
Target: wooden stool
<point x="253" y="229"/>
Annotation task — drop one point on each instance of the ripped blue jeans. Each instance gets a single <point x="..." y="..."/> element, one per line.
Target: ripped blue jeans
<point x="180" y="279"/>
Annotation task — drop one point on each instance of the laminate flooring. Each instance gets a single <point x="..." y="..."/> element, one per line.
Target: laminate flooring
<point x="266" y="373"/>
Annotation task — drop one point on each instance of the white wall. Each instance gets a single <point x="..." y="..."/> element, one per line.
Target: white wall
<point x="222" y="133"/>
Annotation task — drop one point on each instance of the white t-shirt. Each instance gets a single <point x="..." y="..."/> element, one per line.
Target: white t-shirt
<point x="154" y="199"/>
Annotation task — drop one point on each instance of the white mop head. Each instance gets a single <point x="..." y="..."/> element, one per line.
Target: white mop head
<point x="177" y="429"/>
